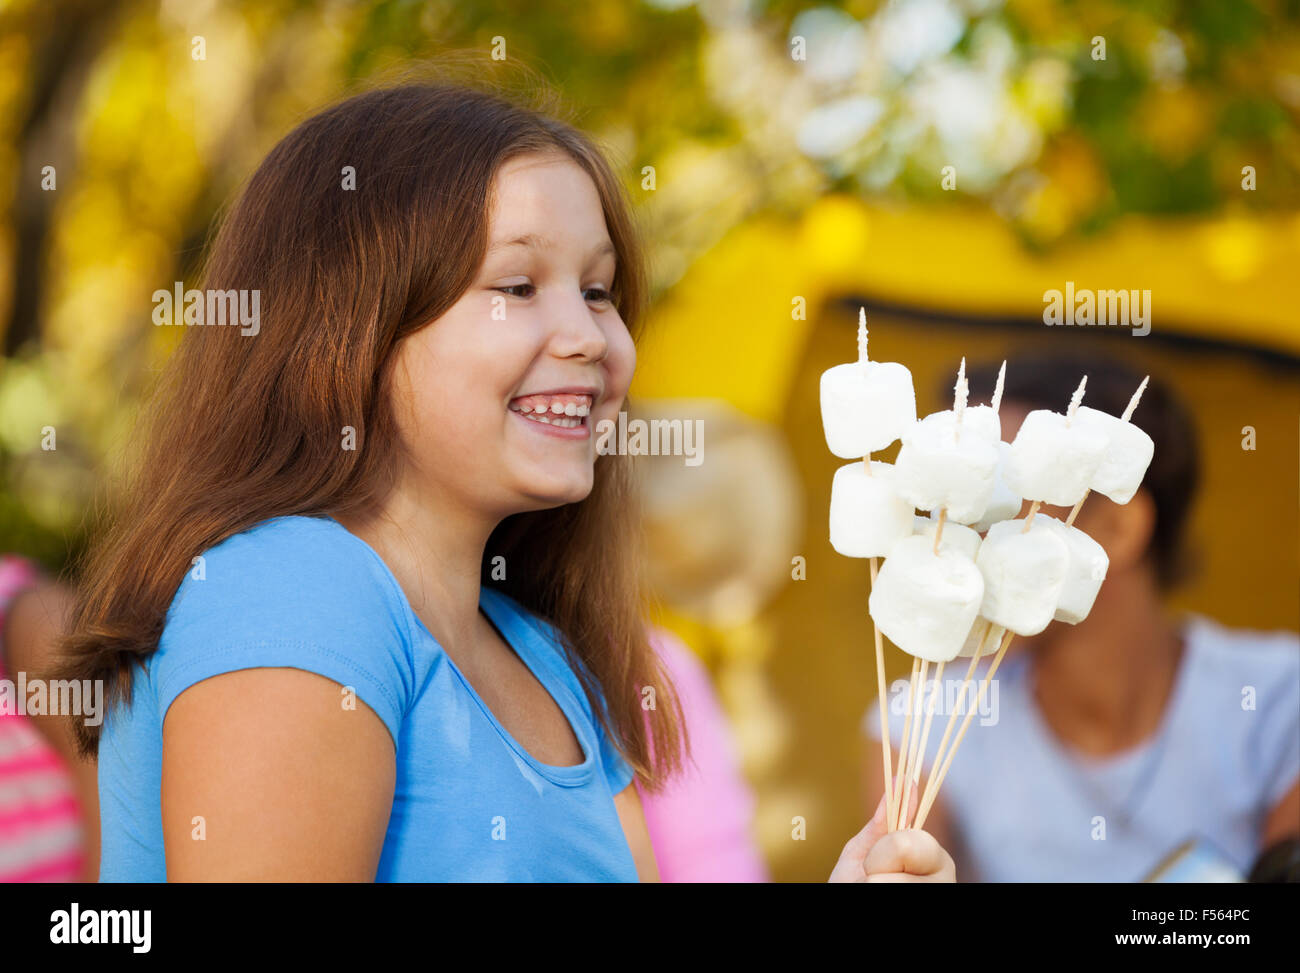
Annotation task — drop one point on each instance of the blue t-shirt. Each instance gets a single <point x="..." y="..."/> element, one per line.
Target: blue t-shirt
<point x="470" y="803"/>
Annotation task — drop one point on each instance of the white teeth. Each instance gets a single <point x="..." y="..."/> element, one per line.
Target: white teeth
<point x="556" y="412"/>
<point x="565" y="423"/>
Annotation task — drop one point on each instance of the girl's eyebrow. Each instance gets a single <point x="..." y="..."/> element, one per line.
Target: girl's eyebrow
<point x="535" y="241"/>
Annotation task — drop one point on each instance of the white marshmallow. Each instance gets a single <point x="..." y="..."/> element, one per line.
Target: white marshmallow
<point x="983" y="420"/>
<point x="956" y="536"/>
<point x="867" y="514"/>
<point x="1005" y="502"/>
<point x="1083" y="577"/>
<point x="866" y="406"/>
<point x="1023" y="575"/>
<point x="942" y="466"/>
<point x="1128" y="454"/>
<point x="976" y="633"/>
<point x="925" y="602"/>
<point x="1054" y="460"/>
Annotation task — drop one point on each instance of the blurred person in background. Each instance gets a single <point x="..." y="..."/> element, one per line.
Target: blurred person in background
<point x="49" y="803"/>
<point x="700" y="825"/>
<point x="1118" y="740"/>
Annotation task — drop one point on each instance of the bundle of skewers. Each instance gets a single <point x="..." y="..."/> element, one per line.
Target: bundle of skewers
<point x="967" y="578"/>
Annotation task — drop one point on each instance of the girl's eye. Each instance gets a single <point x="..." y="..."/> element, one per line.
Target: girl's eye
<point x="515" y="287"/>
<point x="597" y="294"/>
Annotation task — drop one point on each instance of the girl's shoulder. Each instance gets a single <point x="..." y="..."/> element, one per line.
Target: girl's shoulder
<point x="1250" y="682"/>
<point x="295" y="591"/>
<point x="315" y="558"/>
<point x="1256" y="657"/>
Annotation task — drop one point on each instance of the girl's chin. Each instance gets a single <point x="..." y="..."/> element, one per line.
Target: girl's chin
<point x="548" y="489"/>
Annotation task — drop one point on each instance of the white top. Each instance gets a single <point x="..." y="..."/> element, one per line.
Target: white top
<point x="1027" y="808"/>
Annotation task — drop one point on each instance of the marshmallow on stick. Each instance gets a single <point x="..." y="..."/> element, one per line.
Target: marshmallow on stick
<point x="867" y="515"/>
<point x="1004" y="503"/>
<point x="866" y="404"/>
<point x="1054" y="458"/>
<point x="984" y="419"/>
<point x="1128" y="449"/>
<point x="1084" y="573"/>
<point x="1128" y="459"/>
<point x="944" y="466"/>
<point x="925" y="602"/>
<point x="1024" y="571"/>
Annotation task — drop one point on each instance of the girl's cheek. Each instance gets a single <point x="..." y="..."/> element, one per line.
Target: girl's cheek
<point x="622" y="361"/>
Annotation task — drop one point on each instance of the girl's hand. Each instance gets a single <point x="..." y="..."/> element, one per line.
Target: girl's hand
<point x="876" y="854"/>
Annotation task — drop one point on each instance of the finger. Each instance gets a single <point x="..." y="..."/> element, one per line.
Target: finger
<point x="886" y="878"/>
<point x="909" y="852"/>
<point x="857" y="847"/>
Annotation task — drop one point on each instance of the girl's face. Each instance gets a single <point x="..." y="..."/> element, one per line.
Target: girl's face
<point x="498" y="400"/>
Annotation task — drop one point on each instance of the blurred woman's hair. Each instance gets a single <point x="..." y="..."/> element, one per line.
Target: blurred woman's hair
<point x="1046" y="380"/>
<point x="246" y="428"/>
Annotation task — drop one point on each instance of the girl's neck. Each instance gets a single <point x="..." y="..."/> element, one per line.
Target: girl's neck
<point x="1103" y="685"/>
<point x="435" y="552"/>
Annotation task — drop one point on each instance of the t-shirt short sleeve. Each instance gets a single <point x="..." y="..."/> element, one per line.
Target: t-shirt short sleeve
<point x="1275" y="721"/>
<point x="293" y="592"/>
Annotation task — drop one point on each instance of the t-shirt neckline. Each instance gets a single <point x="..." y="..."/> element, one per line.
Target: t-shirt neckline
<point x="519" y="637"/>
<point x="1110" y="763"/>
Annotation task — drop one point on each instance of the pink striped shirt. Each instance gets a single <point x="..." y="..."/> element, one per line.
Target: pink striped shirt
<point x="40" y="819"/>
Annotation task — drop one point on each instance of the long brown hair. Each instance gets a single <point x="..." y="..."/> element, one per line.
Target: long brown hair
<point x="243" y="428"/>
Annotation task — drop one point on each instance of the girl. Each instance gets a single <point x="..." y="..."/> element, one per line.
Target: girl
<point x="406" y="643"/>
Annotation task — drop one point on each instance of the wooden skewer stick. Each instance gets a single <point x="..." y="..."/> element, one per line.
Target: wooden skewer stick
<point x="862" y="361"/>
<point x="952" y="717"/>
<point x="1133" y="402"/>
<point x="862" y="336"/>
<point x="996" y="402"/>
<point x="1075" y="401"/>
<point x="902" y="747"/>
<point x="943" y="771"/>
<point x="1033" y="509"/>
<point x="886" y="748"/>
<point x="925" y="731"/>
<point x="960" y="394"/>
<point x="912" y="755"/>
<point x="1069" y="521"/>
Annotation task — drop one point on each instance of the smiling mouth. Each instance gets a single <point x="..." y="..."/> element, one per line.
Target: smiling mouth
<point x="566" y="411"/>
